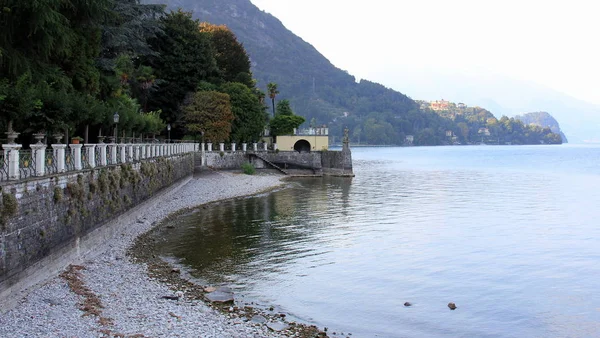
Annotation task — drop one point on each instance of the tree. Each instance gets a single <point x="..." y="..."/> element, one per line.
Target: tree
<point x="250" y="116"/>
<point x="185" y="57"/>
<point x="285" y="124"/>
<point x="231" y="57"/>
<point x="209" y="112"/>
<point x="283" y="108"/>
<point x="272" y="90"/>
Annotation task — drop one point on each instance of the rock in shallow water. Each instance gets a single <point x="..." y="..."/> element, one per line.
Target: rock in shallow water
<point x="277" y="326"/>
<point x="258" y="319"/>
<point x="220" y="297"/>
<point x="452" y="306"/>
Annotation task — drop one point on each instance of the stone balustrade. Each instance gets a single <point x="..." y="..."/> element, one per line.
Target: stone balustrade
<point x="60" y="158"/>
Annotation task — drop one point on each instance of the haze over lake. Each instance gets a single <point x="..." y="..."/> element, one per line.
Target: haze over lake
<point x="510" y="234"/>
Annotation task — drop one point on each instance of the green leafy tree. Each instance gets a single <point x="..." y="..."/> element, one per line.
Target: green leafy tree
<point x="284" y="108"/>
<point x="285" y="124"/>
<point x="209" y="112"/>
<point x="250" y="116"/>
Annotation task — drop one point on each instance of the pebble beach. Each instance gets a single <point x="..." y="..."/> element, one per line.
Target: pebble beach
<point x="110" y="295"/>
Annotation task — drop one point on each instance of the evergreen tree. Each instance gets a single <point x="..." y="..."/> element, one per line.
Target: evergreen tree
<point x="231" y="57"/>
<point x="185" y="57"/>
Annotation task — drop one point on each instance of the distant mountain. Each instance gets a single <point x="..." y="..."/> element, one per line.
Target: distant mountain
<point x="542" y="119"/>
<point x="502" y="95"/>
<point x="316" y="89"/>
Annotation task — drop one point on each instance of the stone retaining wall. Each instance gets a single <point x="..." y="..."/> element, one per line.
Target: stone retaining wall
<point x="41" y="216"/>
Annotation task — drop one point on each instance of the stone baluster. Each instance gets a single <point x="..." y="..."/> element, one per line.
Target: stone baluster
<point x="76" y="153"/>
<point x="244" y="147"/>
<point x="255" y="146"/>
<point x="130" y="157"/>
<point x="209" y="147"/>
<point x="233" y="147"/>
<point x="136" y="155"/>
<point x="103" y="158"/>
<point x="39" y="155"/>
<point x="123" y="153"/>
<point x="11" y="153"/>
<point x="112" y="147"/>
<point x="59" y="157"/>
<point x="221" y="146"/>
<point x="265" y="146"/>
<point x="90" y="150"/>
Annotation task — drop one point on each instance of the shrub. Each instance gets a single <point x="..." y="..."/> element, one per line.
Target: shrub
<point x="248" y="169"/>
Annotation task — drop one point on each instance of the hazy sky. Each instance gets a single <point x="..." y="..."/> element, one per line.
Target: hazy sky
<point x="552" y="43"/>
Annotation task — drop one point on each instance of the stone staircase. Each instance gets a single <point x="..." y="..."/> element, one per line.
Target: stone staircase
<point x="273" y="165"/>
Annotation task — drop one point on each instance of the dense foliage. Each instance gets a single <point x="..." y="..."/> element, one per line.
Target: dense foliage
<point x="69" y="65"/>
<point x="285" y="121"/>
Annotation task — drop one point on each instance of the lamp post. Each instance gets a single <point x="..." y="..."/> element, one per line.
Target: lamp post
<point x="116" y="120"/>
<point x="169" y="133"/>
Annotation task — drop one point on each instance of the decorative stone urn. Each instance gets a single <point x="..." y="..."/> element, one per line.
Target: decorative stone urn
<point x="39" y="137"/>
<point x="58" y="137"/>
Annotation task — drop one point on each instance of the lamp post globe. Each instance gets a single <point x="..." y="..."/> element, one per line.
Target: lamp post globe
<point x="169" y="133"/>
<point x="116" y="121"/>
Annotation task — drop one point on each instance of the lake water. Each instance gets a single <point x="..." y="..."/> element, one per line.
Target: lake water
<point x="510" y="234"/>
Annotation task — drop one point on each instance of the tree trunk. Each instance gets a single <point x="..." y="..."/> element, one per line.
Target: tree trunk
<point x="273" y="100"/>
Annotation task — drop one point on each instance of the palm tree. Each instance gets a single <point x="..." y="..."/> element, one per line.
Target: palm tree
<point x="272" y="89"/>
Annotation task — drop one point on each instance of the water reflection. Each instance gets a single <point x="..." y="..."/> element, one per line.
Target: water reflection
<point x="230" y="239"/>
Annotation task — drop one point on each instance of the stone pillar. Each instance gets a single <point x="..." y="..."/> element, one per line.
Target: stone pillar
<point x="265" y="146"/>
<point x="136" y="155"/>
<point x="202" y="147"/>
<point x="221" y="146"/>
<point x="123" y="153"/>
<point x="112" y="149"/>
<point x="11" y="153"/>
<point x="76" y="153"/>
<point x="59" y="157"/>
<point x="255" y="146"/>
<point x="130" y="157"/>
<point x="39" y="156"/>
<point x="244" y="147"/>
<point x="90" y="151"/>
<point x="233" y="147"/>
<point x="103" y="158"/>
<point x="209" y="147"/>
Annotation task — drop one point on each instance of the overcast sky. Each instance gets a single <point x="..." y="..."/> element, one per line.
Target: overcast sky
<point x="552" y="43"/>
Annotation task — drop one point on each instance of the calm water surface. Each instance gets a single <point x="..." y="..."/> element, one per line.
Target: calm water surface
<point x="510" y="234"/>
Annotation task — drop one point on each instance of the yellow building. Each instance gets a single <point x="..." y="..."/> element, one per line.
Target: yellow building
<point x="305" y="140"/>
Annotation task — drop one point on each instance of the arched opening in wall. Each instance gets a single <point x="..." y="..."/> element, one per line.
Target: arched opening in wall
<point x="302" y="146"/>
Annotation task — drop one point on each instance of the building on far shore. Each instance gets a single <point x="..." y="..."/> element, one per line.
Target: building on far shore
<point x="305" y="140"/>
<point x="439" y="105"/>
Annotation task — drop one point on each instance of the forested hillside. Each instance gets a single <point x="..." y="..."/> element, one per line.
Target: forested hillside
<point x="317" y="89"/>
<point x="542" y="119"/>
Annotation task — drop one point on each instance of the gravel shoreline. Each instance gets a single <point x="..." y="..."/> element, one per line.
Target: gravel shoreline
<point x="129" y="303"/>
